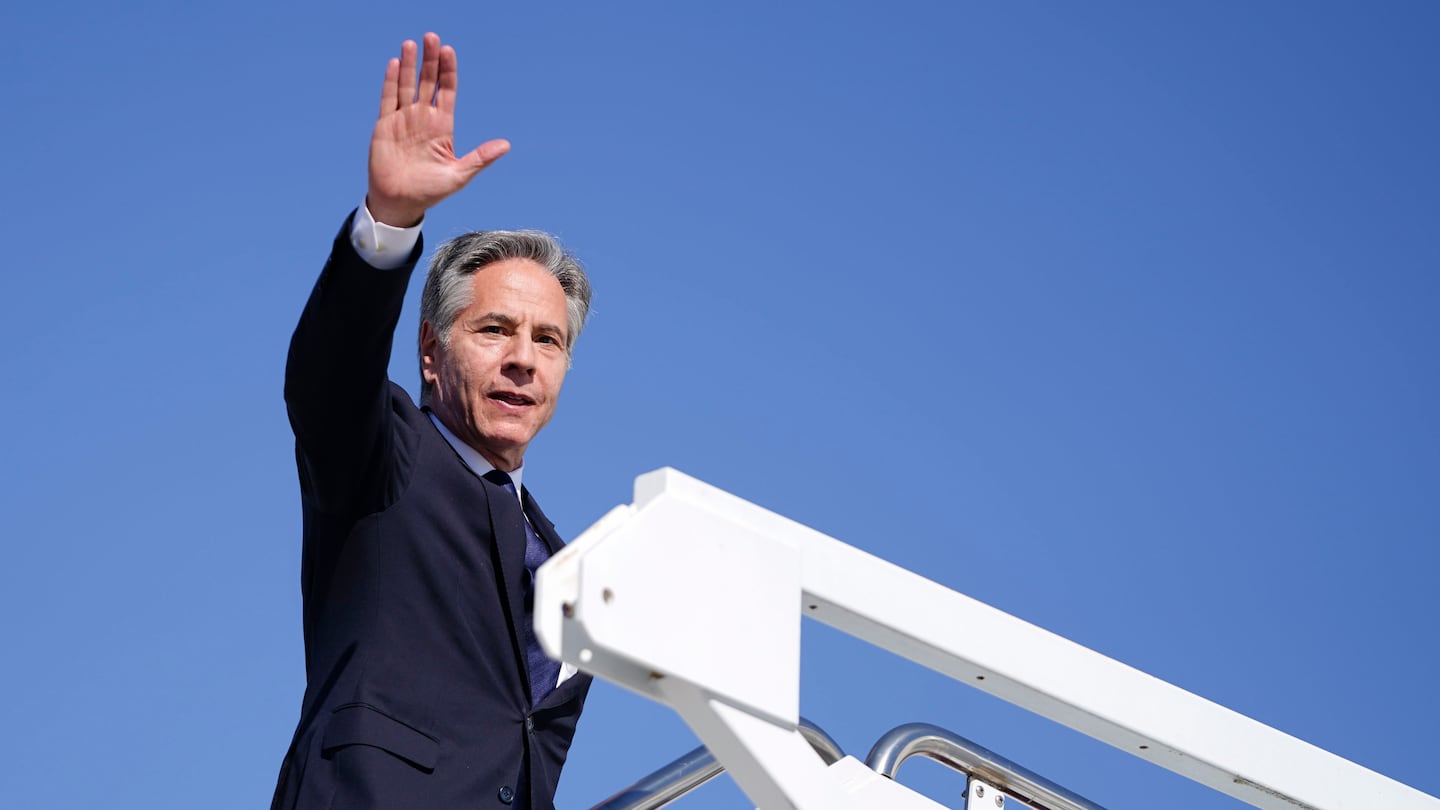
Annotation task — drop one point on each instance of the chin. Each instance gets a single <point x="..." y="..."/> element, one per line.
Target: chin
<point x="506" y="440"/>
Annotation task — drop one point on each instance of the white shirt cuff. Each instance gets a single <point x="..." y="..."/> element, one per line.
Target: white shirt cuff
<point x="383" y="247"/>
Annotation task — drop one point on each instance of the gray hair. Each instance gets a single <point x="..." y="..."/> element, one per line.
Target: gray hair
<point x="448" y="289"/>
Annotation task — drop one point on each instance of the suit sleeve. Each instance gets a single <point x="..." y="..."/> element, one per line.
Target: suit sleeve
<point x="337" y="392"/>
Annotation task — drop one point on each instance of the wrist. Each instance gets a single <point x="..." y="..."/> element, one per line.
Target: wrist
<point x="394" y="213"/>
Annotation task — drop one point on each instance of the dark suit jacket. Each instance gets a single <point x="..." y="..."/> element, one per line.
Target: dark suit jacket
<point x="413" y="577"/>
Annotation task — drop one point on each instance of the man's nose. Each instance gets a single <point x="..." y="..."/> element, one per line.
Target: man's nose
<point x="520" y="353"/>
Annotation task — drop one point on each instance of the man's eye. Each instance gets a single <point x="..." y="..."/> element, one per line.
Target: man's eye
<point x="491" y="329"/>
<point x="547" y="339"/>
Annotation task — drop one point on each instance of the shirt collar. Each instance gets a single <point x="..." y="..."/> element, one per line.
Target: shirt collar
<point x="470" y="455"/>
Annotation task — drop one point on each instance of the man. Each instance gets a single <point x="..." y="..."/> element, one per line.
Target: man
<point x="425" y="685"/>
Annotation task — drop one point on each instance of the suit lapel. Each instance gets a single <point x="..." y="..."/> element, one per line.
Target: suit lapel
<point x="509" y="526"/>
<point x="580" y="681"/>
<point x="541" y="524"/>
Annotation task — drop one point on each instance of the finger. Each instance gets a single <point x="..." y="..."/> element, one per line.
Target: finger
<point x="390" y="91"/>
<point x="429" y="69"/>
<point x="449" y="78"/>
<point x="407" y="72"/>
<point x="483" y="155"/>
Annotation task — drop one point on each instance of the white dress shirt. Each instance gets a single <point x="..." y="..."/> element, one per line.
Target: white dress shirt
<point x="383" y="247"/>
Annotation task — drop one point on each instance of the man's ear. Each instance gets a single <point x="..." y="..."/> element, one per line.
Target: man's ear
<point x="429" y="349"/>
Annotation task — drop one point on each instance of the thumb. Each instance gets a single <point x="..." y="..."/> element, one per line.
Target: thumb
<point x="483" y="155"/>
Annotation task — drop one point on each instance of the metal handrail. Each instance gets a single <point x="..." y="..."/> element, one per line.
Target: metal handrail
<point x="698" y="767"/>
<point x="971" y="759"/>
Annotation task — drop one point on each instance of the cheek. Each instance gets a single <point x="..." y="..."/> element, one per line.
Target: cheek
<point x="458" y="378"/>
<point x="557" y="379"/>
<point x="467" y="368"/>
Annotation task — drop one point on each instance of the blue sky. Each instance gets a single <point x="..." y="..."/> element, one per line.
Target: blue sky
<point x="1119" y="318"/>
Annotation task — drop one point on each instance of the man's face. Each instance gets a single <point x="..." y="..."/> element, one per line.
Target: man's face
<point x="497" y="382"/>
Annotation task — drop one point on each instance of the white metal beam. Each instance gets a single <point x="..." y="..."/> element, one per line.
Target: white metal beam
<point x="694" y="584"/>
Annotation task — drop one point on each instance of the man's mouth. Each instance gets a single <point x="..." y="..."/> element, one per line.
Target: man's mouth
<point x="511" y="399"/>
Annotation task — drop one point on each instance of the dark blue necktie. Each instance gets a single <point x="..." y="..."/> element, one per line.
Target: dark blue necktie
<point x="543" y="672"/>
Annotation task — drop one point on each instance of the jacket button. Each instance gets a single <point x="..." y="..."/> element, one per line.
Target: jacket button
<point x="529" y="724"/>
<point x="507" y="795"/>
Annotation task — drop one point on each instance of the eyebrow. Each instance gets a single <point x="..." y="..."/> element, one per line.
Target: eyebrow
<point x="496" y="317"/>
<point x="509" y="322"/>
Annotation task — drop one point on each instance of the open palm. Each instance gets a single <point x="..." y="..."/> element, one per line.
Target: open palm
<point x="413" y="165"/>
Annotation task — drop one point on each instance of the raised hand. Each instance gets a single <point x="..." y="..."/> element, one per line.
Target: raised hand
<point x="413" y="164"/>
